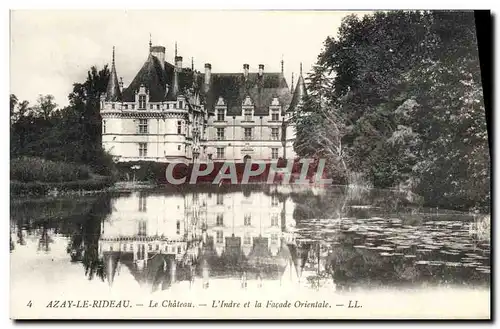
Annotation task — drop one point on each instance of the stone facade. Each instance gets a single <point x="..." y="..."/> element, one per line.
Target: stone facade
<point x="170" y="113"/>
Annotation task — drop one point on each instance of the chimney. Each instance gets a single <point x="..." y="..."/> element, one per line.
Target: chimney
<point x="261" y="69"/>
<point x="178" y="62"/>
<point x="246" y="67"/>
<point x="208" y="72"/>
<point x="158" y="52"/>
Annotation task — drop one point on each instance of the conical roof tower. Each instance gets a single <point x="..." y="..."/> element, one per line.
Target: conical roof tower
<point x="113" y="92"/>
<point x="299" y="93"/>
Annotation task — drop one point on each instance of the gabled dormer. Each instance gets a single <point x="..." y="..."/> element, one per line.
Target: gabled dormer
<point x="220" y="110"/>
<point x="142" y="98"/>
<point x="275" y="110"/>
<point x="248" y="109"/>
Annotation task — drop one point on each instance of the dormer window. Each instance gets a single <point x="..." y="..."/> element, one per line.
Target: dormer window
<point x="181" y="104"/>
<point x="125" y="106"/>
<point x="248" y="114"/>
<point x="275" y="115"/>
<point x="220" y="115"/>
<point x="142" y="102"/>
<point x="113" y="106"/>
<point x="150" y="106"/>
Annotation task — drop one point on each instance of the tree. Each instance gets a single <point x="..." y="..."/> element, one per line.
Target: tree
<point x="406" y="88"/>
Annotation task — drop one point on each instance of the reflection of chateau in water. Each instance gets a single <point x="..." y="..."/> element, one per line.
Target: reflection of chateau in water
<point x="197" y="237"/>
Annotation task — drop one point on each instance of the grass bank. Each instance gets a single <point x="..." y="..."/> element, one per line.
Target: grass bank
<point x="32" y="176"/>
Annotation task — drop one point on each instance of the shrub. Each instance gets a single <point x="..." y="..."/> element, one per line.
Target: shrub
<point x="31" y="169"/>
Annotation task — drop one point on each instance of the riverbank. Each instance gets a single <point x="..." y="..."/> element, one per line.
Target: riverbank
<point x="92" y="185"/>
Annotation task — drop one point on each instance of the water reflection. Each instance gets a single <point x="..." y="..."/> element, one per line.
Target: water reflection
<point x="319" y="239"/>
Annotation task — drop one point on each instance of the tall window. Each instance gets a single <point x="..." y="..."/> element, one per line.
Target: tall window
<point x="142" y="203"/>
<point x="220" y="134"/>
<point x="219" y="237"/>
<point x="248" y="133"/>
<point x="275" y="116"/>
<point x="275" y="133"/>
<point x="103" y="126"/>
<point x="248" y="115"/>
<point x="179" y="127"/>
<point x="274" y="219"/>
<point x="247" y="239"/>
<point x="220" y="115"/>
<point x="274" y="152"/>
<point x="220" y="153"/>
<point x="178" y="227"/>
<point x="274" y="239"/>
<point x="143" y="126"/>
<point x="143" y="149"/>
<point x="248" y="220"/>
<point x="133" y="106"/>
<point x="181" y="104"/>
<point x="274" y="200"/>
<point x="150" y="106"/>
<point x="142" y="228"/>
<point x="142" y="102"/>
<point x="220" y="198"/>
<point x="219" y="220"/>
<point x="113" y="106"/>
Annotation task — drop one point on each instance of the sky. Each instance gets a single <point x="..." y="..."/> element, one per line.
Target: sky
<point x="52" y="49"/>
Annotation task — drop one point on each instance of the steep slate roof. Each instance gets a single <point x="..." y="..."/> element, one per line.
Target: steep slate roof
<point x="153" y="77"/>
<point x="234" y="88"/>
<point x="113" y="93"/>
<point x="300" y="91"/>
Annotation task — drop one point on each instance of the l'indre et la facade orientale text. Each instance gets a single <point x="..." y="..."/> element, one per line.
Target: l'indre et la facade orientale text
<point x="171" y="113"/>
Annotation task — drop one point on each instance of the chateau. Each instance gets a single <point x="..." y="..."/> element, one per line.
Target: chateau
<point x="173" y="113"/>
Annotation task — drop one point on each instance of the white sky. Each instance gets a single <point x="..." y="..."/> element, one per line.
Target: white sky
<point x="50" y="50"/>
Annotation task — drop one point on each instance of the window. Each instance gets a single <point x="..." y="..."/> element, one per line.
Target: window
<point x="274" y="200"/>
<point x="248" y="134"/>
<point x="274" y="152"/>
<point x="181" y="104"/>
<point x="150" y="106"/>
<point x="220" y="198"/>
<point x="142" y="102"/>
<point x="219" y="237"/>
<point x="248" y="115"/>
<point x="103" y="126"/>
<point x="247" y="239"/>
<point x="247" y="220"/>
<point x="220" y="134"/>
<point x="178" y="147"/>
<point x="143" y="149"/>
<point x="150" y="247"/>
<point x="219" y="220"/>
<point x="179" y="127"/>
<point x="113" y="106"/>
<point x="133" y="106"/>
<point x="158" y="106"/>
<point x="274" y="220"/>
<point x="275" y="116"/>
<point x="220" y="115"/>
<point x="275" y="133"/>
<point x="125" y="106"/>
<point x="142" y="203"/>
<point x="220" y="153"/>
<point x="143" y="126"/>
<point x="142" y="228"/>
<point x="178" y="227"/>
<point x="274" y="239"/>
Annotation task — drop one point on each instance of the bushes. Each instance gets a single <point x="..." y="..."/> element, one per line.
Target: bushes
<point x="31" y="169"/>
<point x="36" y="188"/>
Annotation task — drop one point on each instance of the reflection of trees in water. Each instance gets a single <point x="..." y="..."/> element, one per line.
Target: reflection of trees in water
<point x="348" y="266"/>
<point x="77" y="218"/>
<point x="84" y="243"/>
